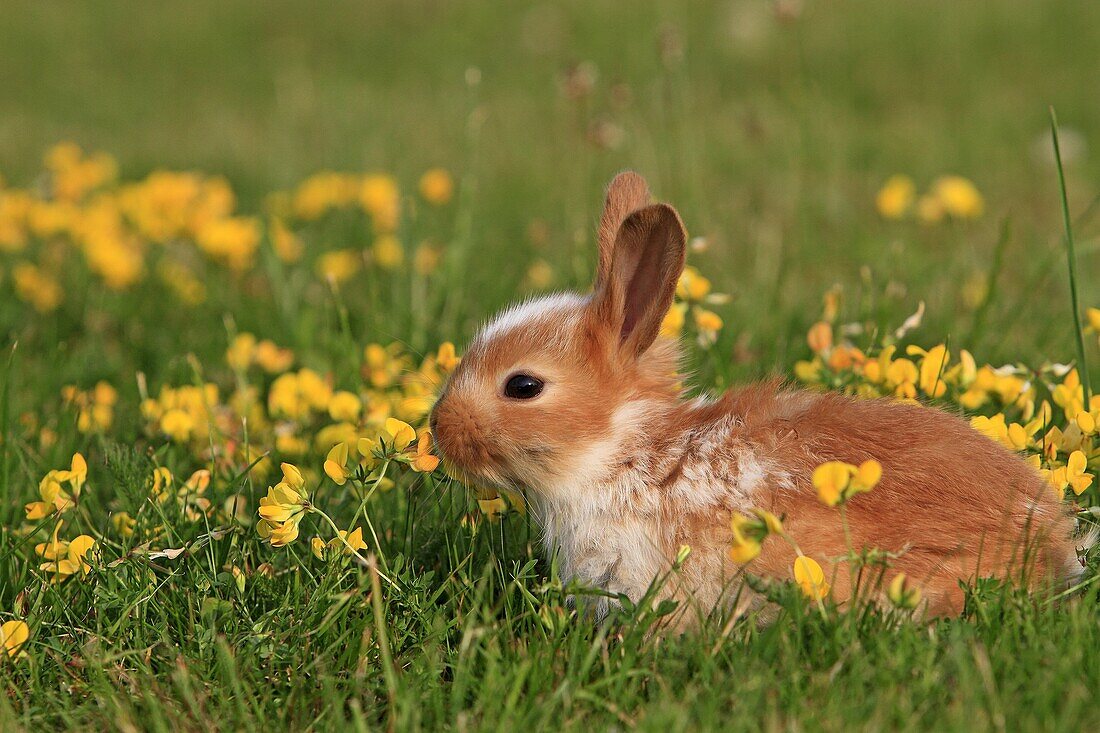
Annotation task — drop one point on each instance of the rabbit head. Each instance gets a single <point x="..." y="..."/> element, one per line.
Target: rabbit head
<point x="551" y="388"/>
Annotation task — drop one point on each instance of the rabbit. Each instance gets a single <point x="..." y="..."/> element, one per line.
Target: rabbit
<point x="577" y="399"/>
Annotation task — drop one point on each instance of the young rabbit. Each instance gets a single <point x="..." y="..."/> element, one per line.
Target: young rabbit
<point x="577" y="399"/>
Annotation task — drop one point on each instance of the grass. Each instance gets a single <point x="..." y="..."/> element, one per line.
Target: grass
<point x="771" y="133"/>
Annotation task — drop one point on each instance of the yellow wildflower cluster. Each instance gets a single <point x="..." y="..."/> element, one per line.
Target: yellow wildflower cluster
<point x="929" y="373"/>
<point x="283" y="508"/>
<point x="396" y="441"/>
<point x="287" y="502"/>
<point x="952" y="197"/>
<point x="170" y="221"/>
<point x="1016" y="404"/>
<point x="182" y="413"/>
<point x="95" y="407"/>
<point x="344" y="542"/>
<point x="298" y="411"/>
<point x="117" y="228"/>
<point x="693" y="293"/>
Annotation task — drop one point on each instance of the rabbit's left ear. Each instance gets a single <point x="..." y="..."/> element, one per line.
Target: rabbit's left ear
<point x="626" y="193"/>
<point x="646" y="262"/>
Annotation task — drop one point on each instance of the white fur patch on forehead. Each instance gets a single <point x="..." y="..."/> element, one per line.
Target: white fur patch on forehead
<point x="525" y="314"/>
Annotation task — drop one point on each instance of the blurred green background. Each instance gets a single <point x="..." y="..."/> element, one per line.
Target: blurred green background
<point x="770" y="124"/>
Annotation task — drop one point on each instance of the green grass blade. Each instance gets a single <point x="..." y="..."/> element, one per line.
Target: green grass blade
<point x="1071" y="256"/>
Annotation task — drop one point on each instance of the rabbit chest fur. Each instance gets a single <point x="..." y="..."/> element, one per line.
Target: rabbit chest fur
<point x="623" y="517"/>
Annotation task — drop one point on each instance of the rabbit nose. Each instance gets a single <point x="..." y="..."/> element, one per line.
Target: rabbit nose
<point x="455" y="431"/>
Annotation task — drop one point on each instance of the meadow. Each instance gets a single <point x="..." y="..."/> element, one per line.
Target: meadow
<point x="241" y="247"/>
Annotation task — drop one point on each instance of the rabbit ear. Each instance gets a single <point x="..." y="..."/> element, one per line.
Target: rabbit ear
<point x="647" y="261"/>
<point x="626" y="194"/>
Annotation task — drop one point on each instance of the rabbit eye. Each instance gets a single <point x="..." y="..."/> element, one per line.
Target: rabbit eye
<point x="522" y="387"/>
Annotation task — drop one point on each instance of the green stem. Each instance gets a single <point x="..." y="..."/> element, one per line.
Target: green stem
<point x="366" y="517"/>
<point x="389" y="673"/>
<point x="352" y="550"/>
<point x="1082" y="367"/>
<point x="851" y="552"/>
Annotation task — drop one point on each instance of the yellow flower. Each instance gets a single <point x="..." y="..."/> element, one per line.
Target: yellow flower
<point x="744" y="550"/>
<point x="1076" y="476"/>
<point x="345" y="407"/>
<point x="692" y="286"/>
<point x="388" y="253"/>
<point x="901" y="593"/>
<point x="437" y="186"/>
<point x="673" y="322"/>
<point x="53" y="497"/>
<point x="933" y="364"/>
<point x="446" y="357"/>
<point x="771" y="522"/>
<point x="295" y="395"/>
<point x="36" y="287"/>
<point x="808" y="371"/>
<point x="292" y="476"/>
<point x="366" y="448"/>
<point x="398" y="435"/>
<point x="424" y="461"/>
<point x="287" y="245"/>
<point x="162" y="482"/>
<point x="1013" y="436"/>
<point x="13" y="635"/>
<point x="810" y="577"/>
<point x="338" y="265"/>
<point x="965" y="372"/>
<point x="745" y="545"/>
<point x="492" y="508"/>
<point x="540" y="275"/>
<point x="230" y="240"/>
<point x="895" y="198"/>
<point x="1073" y="475"/>
<point x="339" y="544"/>
<point x="1092" y="317"/>
<point x="336" y="463"/>
<point x="837" y="481"/>
<point x="820" y="337"/>
<point x="324" y="191"/>
<point x="708" y="323"/>
<point x="1067" y="395"/>
<point x="831" y="479"/>
<point x="177" y="425"/>
<point x="76" y="475"/>
<point x="241" y="352"/>
<point x="380" y="198"/>
<point x="272" y="359"/>
<point x="66" y="558"/>
<point x="958" y="196"/>
<point x="283" y="508"/>
<point x="866" y="476"/>
<point x="123" y="523"/>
